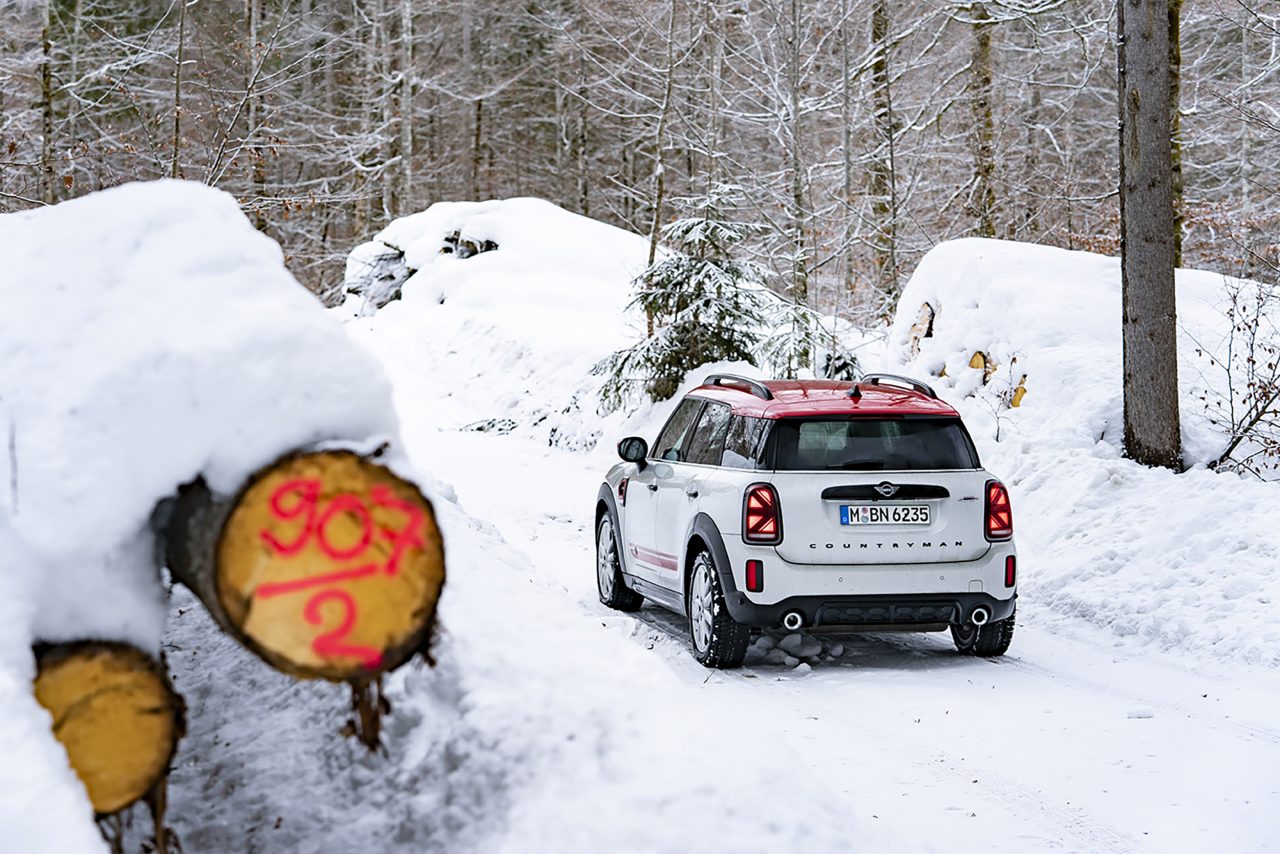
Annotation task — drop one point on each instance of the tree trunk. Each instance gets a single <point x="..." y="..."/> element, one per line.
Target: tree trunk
<point x="48" y="188"/>
<point x="174" y="169"/>
<point x="846" y="146"/>
<point x="799" y="219"/>
<point x="477" y="151"/>
<point x="882" y="179"/>
<point x="1175" y="124"/>
<point x="252" y="11"/>
<point x="77" y="30"/>
<point x="404" y="203"/>
<point x="1151" y="425"/>
<point x="326" y="564"/>
<point x="583" y="136"/>
<point x="116" y="714"/>
<point x="659" y="143"/>
<point x="984" y="133"/>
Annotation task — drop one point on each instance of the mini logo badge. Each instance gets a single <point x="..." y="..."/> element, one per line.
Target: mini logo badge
<point x="888" y="490"/>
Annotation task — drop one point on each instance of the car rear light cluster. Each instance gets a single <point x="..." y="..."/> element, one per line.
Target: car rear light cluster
<point x="999" y="513"/>
<point x="761" y="515"/>
<point x="755" y="576"/>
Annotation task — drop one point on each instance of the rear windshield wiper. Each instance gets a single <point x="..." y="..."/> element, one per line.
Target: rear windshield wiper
<point x="865" y="465"/>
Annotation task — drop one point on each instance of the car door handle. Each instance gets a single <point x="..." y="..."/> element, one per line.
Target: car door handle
<point x="653" y="487"/>
<point x="692" y="493"/>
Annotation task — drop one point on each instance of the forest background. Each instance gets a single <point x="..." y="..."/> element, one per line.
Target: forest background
<point x="859" y="133"/>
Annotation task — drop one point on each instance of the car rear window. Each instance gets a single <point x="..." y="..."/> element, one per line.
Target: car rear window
<point x="866" y="444"/>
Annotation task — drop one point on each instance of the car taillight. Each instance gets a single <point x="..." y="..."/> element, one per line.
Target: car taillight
<point x="999" y="512"/>
<point x="755" y="576"/>
<point x="1010" y="571"/>
<point x="622" y="491"/>
<point x="761" y="515"/>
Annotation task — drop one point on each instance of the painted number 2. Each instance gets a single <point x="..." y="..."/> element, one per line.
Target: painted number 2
<point x="299" y="500"/>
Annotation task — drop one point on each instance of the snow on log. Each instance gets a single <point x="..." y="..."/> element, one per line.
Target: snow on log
<point x="326" y="564"/>
<point x="115" y="713"/>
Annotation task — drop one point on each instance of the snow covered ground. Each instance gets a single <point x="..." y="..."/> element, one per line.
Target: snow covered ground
<point x="1133" y="713"/>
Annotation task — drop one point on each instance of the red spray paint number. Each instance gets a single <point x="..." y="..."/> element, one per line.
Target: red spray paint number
<point x="300" y="500"/>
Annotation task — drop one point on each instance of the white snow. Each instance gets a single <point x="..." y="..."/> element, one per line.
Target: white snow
<point x="896" y="733"/>
<point x="1187" y="562"/>
<point x="148" y="335"/>
<point x="521" y="327"/>
<point x="1132" y="713"/>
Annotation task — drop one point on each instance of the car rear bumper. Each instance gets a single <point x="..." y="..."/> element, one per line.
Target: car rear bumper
<point x="856" y="611"/>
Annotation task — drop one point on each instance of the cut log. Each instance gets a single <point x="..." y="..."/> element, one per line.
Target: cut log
<point x="984" y="363"/>
<point x="326" y="564"/>
<point x="1019" y="392"/>
<point x="922" y="328"/>
<point x="115" y="713"/>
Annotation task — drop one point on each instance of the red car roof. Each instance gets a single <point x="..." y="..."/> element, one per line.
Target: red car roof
<point x="793" y="398"/>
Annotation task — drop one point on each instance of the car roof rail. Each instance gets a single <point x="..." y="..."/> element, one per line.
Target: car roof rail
<point x="756" y="387"/>
<point x="877" y="379"/>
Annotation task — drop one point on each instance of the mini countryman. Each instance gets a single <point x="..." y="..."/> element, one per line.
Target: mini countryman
<point x="810" y="504"/>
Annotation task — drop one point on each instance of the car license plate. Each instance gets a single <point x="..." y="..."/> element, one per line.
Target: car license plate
<point x="884" y="514"/>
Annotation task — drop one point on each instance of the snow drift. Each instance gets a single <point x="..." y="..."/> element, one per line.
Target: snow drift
<point x="1187" y="562"/>
<point x="520" y="327"/>
<point x="148" y="335"/>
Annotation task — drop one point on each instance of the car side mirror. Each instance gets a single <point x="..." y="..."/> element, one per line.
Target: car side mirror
<point x="633" y="449"/>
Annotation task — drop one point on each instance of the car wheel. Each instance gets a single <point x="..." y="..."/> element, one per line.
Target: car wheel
<point x="613" y="591"/>
<point x="718" y="640"/>
<point x="986" y="641"/>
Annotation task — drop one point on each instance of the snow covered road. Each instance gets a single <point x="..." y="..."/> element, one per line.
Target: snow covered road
<point x="1135" y="711"/>
<point x="1068" y="743"/>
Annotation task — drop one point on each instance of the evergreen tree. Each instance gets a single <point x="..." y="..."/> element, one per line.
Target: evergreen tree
<point x="707" y="305"/>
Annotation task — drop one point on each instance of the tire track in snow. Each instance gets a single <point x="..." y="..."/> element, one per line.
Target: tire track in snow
<point x="1245" y="732"/>
<point x="1072" y="827"/>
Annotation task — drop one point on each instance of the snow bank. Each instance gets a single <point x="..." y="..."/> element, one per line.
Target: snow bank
<point x="1186" y="562"/>
<point x="514" y="332"/>
<point x="148" y="335"/>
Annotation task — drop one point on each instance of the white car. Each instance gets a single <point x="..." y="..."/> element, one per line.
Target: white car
<point x="804" y="504"/>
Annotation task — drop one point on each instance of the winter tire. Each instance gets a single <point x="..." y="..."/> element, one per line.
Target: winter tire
<point x="718" y="640"/>
<point x="614" y="593"/>
<point x="986" y="641"/>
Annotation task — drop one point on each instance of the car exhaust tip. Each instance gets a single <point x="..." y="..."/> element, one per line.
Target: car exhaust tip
<point x="792" y="620"/>
<point x="979" y="616"/>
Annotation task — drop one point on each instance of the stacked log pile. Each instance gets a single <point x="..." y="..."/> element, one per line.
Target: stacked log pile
<point x="325" y="564"/>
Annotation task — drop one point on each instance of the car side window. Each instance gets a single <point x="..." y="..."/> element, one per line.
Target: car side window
<point x="707" y="443"/>
<point x="742" y="444"/>
<point x="671" y="439"/>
